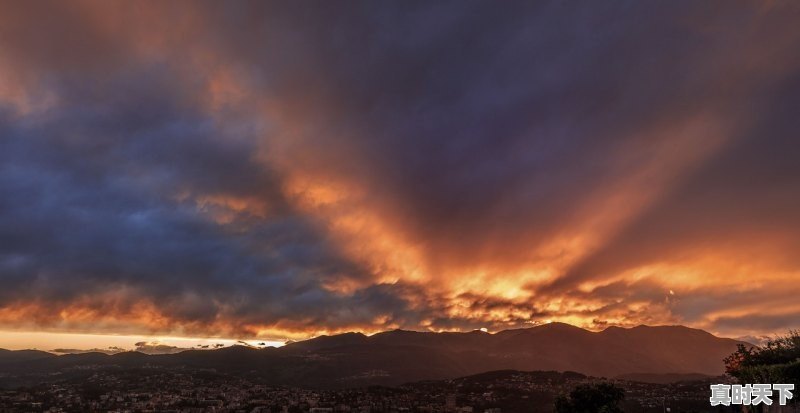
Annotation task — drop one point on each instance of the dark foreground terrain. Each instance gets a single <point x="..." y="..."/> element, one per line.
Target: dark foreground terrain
<point x="157" y="389"/>
<point x="395" y="357"/>
<point x="395" y="371"/>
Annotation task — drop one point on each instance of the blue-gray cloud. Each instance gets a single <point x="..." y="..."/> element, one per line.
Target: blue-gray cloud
<point x="476" y="132"/>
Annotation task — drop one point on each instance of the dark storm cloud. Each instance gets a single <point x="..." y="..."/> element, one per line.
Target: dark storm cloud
<point x="150" y="157"/>
<point x="744" y="200"/>
<point x="90" y="202"/>
<point x="487" y="124"/>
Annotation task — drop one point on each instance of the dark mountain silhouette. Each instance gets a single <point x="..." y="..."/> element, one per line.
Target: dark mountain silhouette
<point x="399" y="356"/>
<point x="322" y="342"/>
<point x="12" y="356"/>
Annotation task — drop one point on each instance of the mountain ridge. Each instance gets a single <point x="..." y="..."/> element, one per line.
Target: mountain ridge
<point x="398" y="356"/>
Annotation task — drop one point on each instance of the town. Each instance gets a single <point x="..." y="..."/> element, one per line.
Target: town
<point x="157" y="389"/>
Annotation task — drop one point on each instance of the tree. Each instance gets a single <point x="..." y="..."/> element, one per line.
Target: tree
<point x="778" y="361"/>
<point x="598" y="397"/>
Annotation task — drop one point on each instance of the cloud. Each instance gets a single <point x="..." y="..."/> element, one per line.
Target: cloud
<point x="281" y="170"/>
<point x="108" y="350"/>
<point x="157" y="348"/>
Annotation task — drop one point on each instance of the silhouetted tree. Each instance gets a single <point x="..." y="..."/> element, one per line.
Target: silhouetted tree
<point x="778" y="361"/>
<point x="600" y="397"/>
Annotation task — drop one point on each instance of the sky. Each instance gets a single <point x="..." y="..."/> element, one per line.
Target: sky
<point x="279" y="170"/>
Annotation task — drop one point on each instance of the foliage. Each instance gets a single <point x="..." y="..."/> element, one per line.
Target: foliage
<point x="599" y="397"/>
<point x="778" y="361"/>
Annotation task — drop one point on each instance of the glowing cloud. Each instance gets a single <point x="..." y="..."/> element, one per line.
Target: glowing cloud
<point x="276" y="171"/>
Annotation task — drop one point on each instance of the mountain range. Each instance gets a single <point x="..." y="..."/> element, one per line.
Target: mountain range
<point x="399" y="356"/>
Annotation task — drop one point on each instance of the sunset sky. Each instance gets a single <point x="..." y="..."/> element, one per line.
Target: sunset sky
<point x="268" y="171"/>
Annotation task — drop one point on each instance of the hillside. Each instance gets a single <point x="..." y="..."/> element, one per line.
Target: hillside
<point x="399" y="356"/>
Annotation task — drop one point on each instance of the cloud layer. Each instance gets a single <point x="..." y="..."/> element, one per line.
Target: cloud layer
<point x="286" y="169"/>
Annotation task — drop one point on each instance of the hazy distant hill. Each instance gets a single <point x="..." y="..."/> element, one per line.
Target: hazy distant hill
<point x="399" y="356"/>
<point x="9" y="356"/>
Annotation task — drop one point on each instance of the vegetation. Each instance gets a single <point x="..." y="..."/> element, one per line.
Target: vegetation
<point x="599" y="397"/>
<point x="778" y="361"/>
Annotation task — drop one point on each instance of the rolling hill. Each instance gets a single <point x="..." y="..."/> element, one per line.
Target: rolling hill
<point x="399" y="356"/>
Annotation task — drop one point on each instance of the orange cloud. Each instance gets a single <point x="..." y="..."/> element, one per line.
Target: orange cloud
<point x="247" y="173"/>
